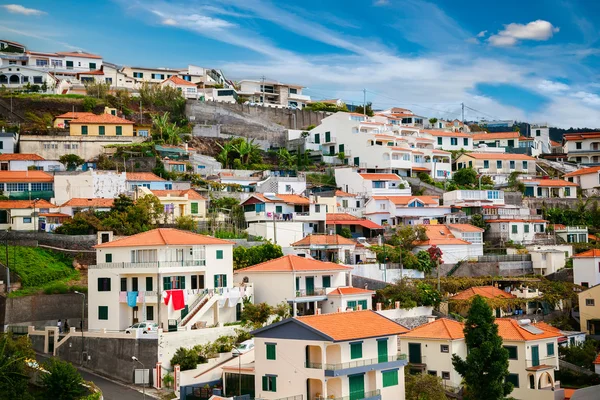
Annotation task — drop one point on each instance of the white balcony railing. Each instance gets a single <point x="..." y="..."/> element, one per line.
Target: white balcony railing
<point x="156" y="264"/>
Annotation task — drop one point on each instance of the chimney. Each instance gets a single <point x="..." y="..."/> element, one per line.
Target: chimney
<point x="430" y="318"/>
<point x="397" y="305"/>
<point x="318" y="311"/>
<point x="104" y="236"/>
<point x="340" y="309"/>
<point x="379" y="306"/>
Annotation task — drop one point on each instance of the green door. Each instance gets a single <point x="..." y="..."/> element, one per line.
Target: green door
<point x="356" y="161"/>
<point x="382" y="351"/>
<point x="535" y="356"/>
<point x="511" y="143"/>
<point x="363" y="303"/>
<point x="310" y="285"/>
<point x="327" y="137"/>
<point x="341" y="148"/>
<point x="357" y="386"/>
<point x="529" y="191"/>
<point x="414" y="353"/>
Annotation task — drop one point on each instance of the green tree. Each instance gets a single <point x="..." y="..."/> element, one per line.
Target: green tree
<point x="286" y="159"/>
<point x="186" y="223"/>
<point x="465" y="177"/>
<point x="486" y="366"/>
<point x="63" y="382"/>
<point x="224" y="156"/>
<point x="423" y="386"/>
<point x="256" y="315"/>
<point x="246" y="150"/>
<point x="345" y="232"/>
<point x="425" y="264"/>
<point x="71" y="161"/>
<point x="164" y="130"/>
<point x="359" y="109"/>
<point x="122" y="203"/>
<point x="478" y="221"/>
<point x="98" y="90"/>
<point x="186" y="358"/>
<point x="89" y="103"/>
<point x="247" y="256"/>
<point x="13" y="374"/>
<point x="432" y="121"/>
<point x="405" y="236"/>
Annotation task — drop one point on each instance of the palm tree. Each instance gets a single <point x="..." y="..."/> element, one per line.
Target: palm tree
<point x="226" y="151"/>
<point x="246" y="149"/>
<point x="285" y="158"/>
<point x="164" y="130"/>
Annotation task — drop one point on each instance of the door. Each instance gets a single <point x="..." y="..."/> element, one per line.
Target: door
<point x="327" y="137"/>
<point x="535" y="356"/>
<point x="363" y="303"/>
<point x="529" y="191"/>
<point x="414" y="353"/>
<point x="511" y="143"/>
<point x="310" y="285"/>
<point x="357" y="386"/>
<point x="382" y="351"/>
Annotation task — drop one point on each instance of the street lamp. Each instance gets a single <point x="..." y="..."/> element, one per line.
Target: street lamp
<point x="134" y="358"/>
<point x="34" y="201"/>
<point x="82" y="318"/>
<point x="239" y="371"/>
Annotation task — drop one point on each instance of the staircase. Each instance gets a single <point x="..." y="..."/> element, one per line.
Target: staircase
<point x="201" y="302"/>
<point x="5" y="109"/>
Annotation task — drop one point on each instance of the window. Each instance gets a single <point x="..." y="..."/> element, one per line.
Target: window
<point x="526" y="228"/>
<point x="439" y="139"/>
<point x="390" y="378"/>
<point x="219" y="254"/>
<point x="317" y="138"/>
<point x="317" y="208"/>
<point x="119" y="130"/>
<point x="444" y="348"/>
<point x="41" y="63"/>
<point x="293" y="91"/>
<point x="134" y="284"/>
<point x="269" y="383"/>
<point x="69" y="64"/>
<point x="355" y="350"/>
<point x="138" y="74"/>
<point x="499" y="164"/>
<point x="326" y="281"/>
<point x="567" y="191"/>
<point x="92" y="66"/>
<point x="101" y="130"/>
<point x="515" y="229"/>
<point x="104" y="284"/>
<point x="36" y="187"/>
<point x="430" y="372"/>
<point x="37" y="79"/>
<point x="550" y="349"/>
<point x="453" y="141"/>
<point x="589" y="302"/>
<point x="486" y="163"/>
<point x="586" y="284"/>
<point x="26" y="220"/>
<point x="512" y="352"/>
<point x="194" y="207"/>
<point x="525" y="165"/>
<point x="123" y="284"/>
<point x="84" y="130"/>
<point x="108" y="80"/>
<point x="465" y="142"/>
<point x="378" y="184"/>
<point x="538" y="132"/>
<point x="297" y="283"/>
<point x="149" y="313"/>
<point x="271" y="354"/>
<point x="445" y="375"/>
<point x="512" y="165"/>
<point x="514" y="379"/>
<point x="108" y="258"/>
<point x="220" y="280"/>
<point x="103" y="313"/>
<point x="278" y="209"/>
<point x="578" y="145"/>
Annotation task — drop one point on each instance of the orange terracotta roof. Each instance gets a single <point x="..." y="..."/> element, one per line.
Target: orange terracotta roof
<point x="293" y="263"/>
<point x="349" y="291"/>
<point x="341" y="193"/>
<point x="489" y="292"/>
<point x="24" y="204"/>
<point x="192" y="194"/>
<point x="525" y="139"/>
<point x="465" y="228"/>
<point x="559" y="227"/>
<point x="59" y="215"/>
<point x="498" y="156"/>
<point x="420" y="169"/>
<point x="25" y="176"/>
<point x="550" y="182"/>
<point x="495" y="135"/>
<point x="442" y="328"/>
<point x="144" y="177"/>
<point x="164" y="237"/>
<point x="95" y="72"/>
<point x="178" y="81"/>
<point x="446" y="133"/>
<point x="97" y="202"/>
<point x="597" y="360"/>
<point x="100" y="119"/>
<point x="592" y="237"/>
<point x="440" y="235"/>
<point x="76" y="114"/>
<point x="583" y="171"/>
<point x="581" y="136"/>
<point x="321" y="240"/>
<point x="282" y="198"/>
<point x="344" y="326"/>
<point x="495" y="221"/>
<point x="380" y="177"/>
<point x="510" y="330"/>
<point x="81" y="54"/>
<point x="440" y="152"/>
<point x="555" y="143"/>
<point x="347" y="219"/>
<point x="406" y="200"/>
<point x="593" y="253"/>
<point x="21" y="157"/>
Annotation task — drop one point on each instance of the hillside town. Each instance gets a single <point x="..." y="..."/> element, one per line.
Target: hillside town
<point x="189" y="235"/>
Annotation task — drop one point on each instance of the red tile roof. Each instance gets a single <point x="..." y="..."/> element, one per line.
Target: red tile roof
<point x="498" y="156"/>
<point x="97" y="202"/>
<point x="440" y="235"/>
<point x="144" y="177"/>
<point x="192" y="194"/>
<point x="495" y="135"/>
<point x="495" y="221"/>
<point x="94" y="72"/>
<point x="465" y="228"/>
<point x="81" y="54"/>
<point x="446" y="133"/>
<point x="178" y="81"/>
<point x="164" y="237"/>
<point x="593" y="253"/>
<point x="597" y="360"/>
<point x="331" y="240"/>
<point x="442" y="328"/>
<point x="489" y="292"/>
<point x="21" y="157"/>
<point x="555" y="143"/>
<point x="25" y="176"/>
<point x="583" y="171"/>
<point x="59" y="215"/>
<point x="76" y="114"/>
<point x="100" y="119"/>
<point x="282" y="198"/>
<point x="380" y="177"/>
<point x="510" y="330"/>
<point x="292" y="263"/>
<point x="24" y="204"/>
<point x="341" y="193"/>
<point x="581" y="136"/>
<point x="550" y="182"/>
<point x="344" y="326"/>
<point x="347" y="219"/>
<point x="406" y="200"/>
<point x="349" y="291"/>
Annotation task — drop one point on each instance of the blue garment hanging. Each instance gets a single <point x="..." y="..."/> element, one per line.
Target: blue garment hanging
<point x="132" y="299"/>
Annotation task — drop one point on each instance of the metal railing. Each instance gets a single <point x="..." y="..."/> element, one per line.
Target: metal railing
<point x="155" y="264"/>
<point x="552" y="360"/>
<point x="365" y="395"/>
<point x="296" y="397"/>
<point x="354" y="364"/>
<point x="311" y="292"/>
<point x="504" y="258"/>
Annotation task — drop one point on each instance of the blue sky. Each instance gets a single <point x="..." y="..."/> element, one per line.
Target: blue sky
<point x="524" y="59"/>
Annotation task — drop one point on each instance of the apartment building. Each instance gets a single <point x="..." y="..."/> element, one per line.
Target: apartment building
<point x="446" y="140"/>
<point x="520" y="230"/>
<point x="177" y="203"/>
<point x="589" y="310"/>
<point x="22" y="215"/>
<point x="587" y="178"/>
<point x="24" y="162"/>
<point x="167" y="276"/>
<point x="405" y="210"/>
<point x="582" y="148"/>
<point x="150" y="75"/>
<point x="586" y="268"/>
<point x="454" y="249"/>
<point x="368" y="185"/>
<point x="19" y="76"/>
<point x="90" y="184"/>
<point x="473" y="199"/>
<point x="498" y="166"/>
<point x="27" y="185"/>
<point x="273" y="93"/>
<point x="351" y="355"/>
<point x="550" y="188"/>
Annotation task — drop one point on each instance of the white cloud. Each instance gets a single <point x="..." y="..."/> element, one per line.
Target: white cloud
<point x="548" y="86"/>
<point x="381" y="2"/>
<point x="19" y="9"/>
<point x="169" y="21"/>
<point x="539" y="30"/>
<point x="481" y="34"/>
<point x="590" y="99"/>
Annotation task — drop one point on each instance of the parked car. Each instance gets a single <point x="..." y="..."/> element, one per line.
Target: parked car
<point x="242" y="348"/>
<point x="144" y="327"/>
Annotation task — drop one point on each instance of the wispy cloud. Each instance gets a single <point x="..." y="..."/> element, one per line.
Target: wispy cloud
<point x="36" y="35"/>
<point x="19" y="9"/>
<point x="380" y="3"/>
<point x="539" y="30"/>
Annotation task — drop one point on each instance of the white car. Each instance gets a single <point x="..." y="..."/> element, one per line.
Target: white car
<point x="242" y="348"/>
<point x="144" y="327"/>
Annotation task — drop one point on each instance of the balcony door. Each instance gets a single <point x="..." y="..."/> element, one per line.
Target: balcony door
<point x="535" y="356"/>
<point x="357" y="386"/>
<point x="414" y="353"/>
<point x="310" y="285"/>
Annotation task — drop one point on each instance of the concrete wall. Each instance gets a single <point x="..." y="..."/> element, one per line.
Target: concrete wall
<point x="371" y="284"/>
<point x="495" y="269"/>
<point x="111" y="357"/>
<point x="373" y="271"/>
<point x="40" y="310"/>
<point x="69" y="242"/>
<point x="513" y="198"/>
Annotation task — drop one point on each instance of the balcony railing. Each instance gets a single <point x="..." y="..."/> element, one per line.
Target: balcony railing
<point x="141" y="296"/>
<point x="296" y="397"/>
<point x="354" y="364"/>
<point x="550" y="361"/>
<point x="366" y="395"/>
<point x="156" y="264"/>
<point x="311" y="292"/>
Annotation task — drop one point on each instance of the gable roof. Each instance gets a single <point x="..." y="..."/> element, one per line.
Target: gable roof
<point x="583" y="171"/>
<point x="81" y="54"/>
<point x="442" y="328"/>
<point x="293" y="263"/>
<point x="380" y="177"/>
<point x="21" y="157"/>
<point x="593" y="253"/>
<point x="82" y="202"/>
<point x="406" y="200"/>
<point x="74" y="114"/>
<point x="163" y="237"/>
<point x="143" y="177"/>
<point x="192" y="194"/>
<point x="25" y="176"/>
<point x="488" y="292"/>
<point x="511" y="330"/>
<point x="24" y="204"/>
<point x="550" y="182"/>
<point x="280" y="198"/>
<point x="349" y="291"/>
<point x="496" y="135"/>
<point x="440" y="235"/>
<point x="434" y="132"/>
<point x="178" y="81"/>
<point x="315" y="239"/>
<point x="580" y="136"/>
<point x="100" y="119"/>
<point x="498" y="156"/>
<point x="465" y="228"/>
<point x="348" y="219"/>
<point x="341" y="193"/>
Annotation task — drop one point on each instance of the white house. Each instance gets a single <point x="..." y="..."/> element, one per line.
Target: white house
<point x="22" y="215"/>
<point x="18" y="76"/>
<point x="497" y="139"/>
<point x="550" y="188"/>
<point x="8" y="142"/>
<point x="474" y="198"/>
<point x="586" y="268"/>
<point x="451" y="140"/>
<point x="273" y="93"/>
<point x="582" y="148"/>
<point x="405" y="210"/>
<point x="24" y="162"/>
<point x="453" y="248"/>
<point x="90" y="184"/>
<point x="75" y="205"/>
<point x="282" y="185"/>
<point x="345" y="355"/>
<point x="332" y="248"/>
<point x="171" y="277"/>
<point x="187" y="89"/>
<point x="498" y="166"/>
<point x="371" y="184"/>
<point x="587" y="178"/>
<point x="517" y="230"/>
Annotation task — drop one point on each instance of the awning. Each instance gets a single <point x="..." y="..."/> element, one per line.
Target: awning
<point x="365" y="223"/>
<point x="420" y="169"/>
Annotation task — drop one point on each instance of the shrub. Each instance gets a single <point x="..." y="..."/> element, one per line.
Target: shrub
<point x="424" y="177"/>
<point x="63" y="381"/>
<point x="56" y="288"/>
<point x="89" y="103"/>
<point x="186" y="358"/>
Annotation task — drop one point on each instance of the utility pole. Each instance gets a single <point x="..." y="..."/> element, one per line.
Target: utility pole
<point x="365" y="102"/>
<point x="262" y="90"/>
<point x="141" y="113"/>
<point x="462" y="105"/>
<point x="7" y="269"/>
<point x="274" y="228"/>
<point x="437" y="262"/>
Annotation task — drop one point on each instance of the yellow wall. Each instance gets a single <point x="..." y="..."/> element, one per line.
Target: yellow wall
<point x="588" y="312"/>
<point x="93" y="129"/>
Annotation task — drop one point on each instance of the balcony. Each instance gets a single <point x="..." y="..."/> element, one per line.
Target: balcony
<point x="296" y="96"/>
<point x="371" y="395"/>
<point x="359" y="366"/>
<point x="311" y="292"/>
<point x="542" y="363"/>
<point x="147" y="297"/>
<point x="156" y="264"/>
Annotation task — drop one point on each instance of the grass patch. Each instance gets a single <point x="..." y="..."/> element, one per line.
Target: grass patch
<point x="46" y="95"/>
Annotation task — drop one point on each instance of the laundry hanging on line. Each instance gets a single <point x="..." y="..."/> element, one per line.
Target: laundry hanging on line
<point x="132" y="299"/>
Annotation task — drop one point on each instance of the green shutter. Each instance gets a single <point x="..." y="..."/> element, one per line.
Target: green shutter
<point x="341" y="148"/>
<point x="108" y="258"/>
<point x="515" y="229"/>
<point x="351" y="304"/>
<point x="84" y="130"/>
<point x="526" y="228"/>
<point x="363" y="303"/>
<point x="357" y="161"/>
<point x="194" y="208"/>
<point x="382" y="351"/>
<point x="273" y="384"/>
<point x="278" y="209"/>
<point x="216" y="281"/>
<point x="327" y="137"/>
<point x="148" y="283"/>
<point x="167" y="283"/>
<point x="265" y="383"/>
<point x="512" y="352"/>
<point x="219" y="254"/>
<point x="92" y="66"/>
<point x="181" y="282"/>
<point x="103" y="313"/>
<point x="271" y="353"/>
<point x="101" y="131"/>
<point x="355" y="350"/>
<point x="439" y="141"/>
<point x="119" y="130"/>
<point x="224" y="280"/>
<point x="297" y="283"/>
<point x="486" y="164"/>
<point x="550" y="348"/>
<point x="326" y="281"/>
<point x="317" y="138"/>
<point x="466" y="141"/>
<point x="390" y="378"/>
<point x="499" y="164"/>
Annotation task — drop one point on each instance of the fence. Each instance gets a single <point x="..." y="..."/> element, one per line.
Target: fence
<point x="504" y="258"/>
